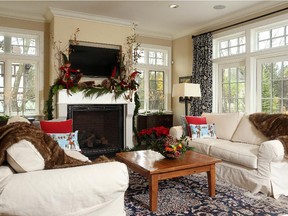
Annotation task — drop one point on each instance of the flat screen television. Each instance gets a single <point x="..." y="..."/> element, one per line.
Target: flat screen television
<point x="94" y="59"/>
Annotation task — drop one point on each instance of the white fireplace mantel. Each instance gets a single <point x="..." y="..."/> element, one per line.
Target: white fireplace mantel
<point x="63" y="99"/>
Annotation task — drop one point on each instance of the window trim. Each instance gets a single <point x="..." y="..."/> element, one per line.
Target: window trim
<point x="250" y="58"/>
<point x="39" y="58"/>
<point x="167" y="75"/>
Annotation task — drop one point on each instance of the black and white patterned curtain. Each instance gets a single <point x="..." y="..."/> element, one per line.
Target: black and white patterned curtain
<point x="202" y="73"/>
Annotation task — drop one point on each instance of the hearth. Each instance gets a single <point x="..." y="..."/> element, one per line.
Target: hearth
<point x="100" y="126"/>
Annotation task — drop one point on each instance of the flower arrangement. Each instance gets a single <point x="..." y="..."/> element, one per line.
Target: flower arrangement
<point x="172" y="148"/>
<point x="158" y="139"/>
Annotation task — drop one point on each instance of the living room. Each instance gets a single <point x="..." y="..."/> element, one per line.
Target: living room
<point x="57" y="26"/>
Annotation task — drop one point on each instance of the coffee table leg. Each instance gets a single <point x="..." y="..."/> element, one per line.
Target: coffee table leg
<point x="153" y="192"/>
<point x="211" y="180"/>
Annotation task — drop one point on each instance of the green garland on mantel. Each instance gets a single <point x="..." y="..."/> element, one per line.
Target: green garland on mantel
<point x="88" y="92"/>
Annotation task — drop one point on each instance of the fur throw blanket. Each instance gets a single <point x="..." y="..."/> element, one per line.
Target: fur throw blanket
<point x="273" y="126"/>
<point x="54" y="156"/>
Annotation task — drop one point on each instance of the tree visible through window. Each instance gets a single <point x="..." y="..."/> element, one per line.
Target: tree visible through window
<point x="275" y="87"/>
<point x="156" y="90"/>
<point x="233" y="89"/>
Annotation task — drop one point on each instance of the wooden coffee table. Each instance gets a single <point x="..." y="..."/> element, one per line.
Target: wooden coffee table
<point x="155" y="167"/>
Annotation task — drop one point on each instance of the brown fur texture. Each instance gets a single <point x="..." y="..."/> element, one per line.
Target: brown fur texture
<point x="273" y="126"/>
<point x="54" y="156"/>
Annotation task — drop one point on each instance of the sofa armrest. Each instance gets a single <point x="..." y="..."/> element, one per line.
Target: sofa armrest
<point x="176" y="132"/>
<point x="272" y="150"/>
<point x="269" y="151"/>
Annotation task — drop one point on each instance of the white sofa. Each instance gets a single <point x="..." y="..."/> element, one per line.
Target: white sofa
<point x="249" y="159"/>
<point x="27" y="189"/>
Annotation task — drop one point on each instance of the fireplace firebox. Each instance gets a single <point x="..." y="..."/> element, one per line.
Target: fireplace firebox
<point x="100" y="128"/>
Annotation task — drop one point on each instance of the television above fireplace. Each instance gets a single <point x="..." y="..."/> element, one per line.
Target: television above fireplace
<point x="95" y="59"/>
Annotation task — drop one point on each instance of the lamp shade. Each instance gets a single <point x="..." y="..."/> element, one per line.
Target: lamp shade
<point x="186" y="90"/>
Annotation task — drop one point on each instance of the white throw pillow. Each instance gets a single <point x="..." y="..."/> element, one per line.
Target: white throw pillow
<point x="77" y="155"/>
<point x="246" y="132"/>
<point x="24" y="157"/>
<point x="225" y="123"/>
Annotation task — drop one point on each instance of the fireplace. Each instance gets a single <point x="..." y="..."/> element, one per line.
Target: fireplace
<point x="64" y="100"/>
<point x="100" y="128"/>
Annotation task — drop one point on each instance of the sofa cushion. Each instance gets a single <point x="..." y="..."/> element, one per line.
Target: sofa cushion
<point x="246" y="132"/>
<point x="238" y="153"/>
<point x="225" y="123"/>
<point x="203" y="145"/>
<point x="202" y="131"/>
<point x="24" y="157"/>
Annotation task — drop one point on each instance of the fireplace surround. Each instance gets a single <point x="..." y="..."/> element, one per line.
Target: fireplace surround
<point x="63" y="100"/>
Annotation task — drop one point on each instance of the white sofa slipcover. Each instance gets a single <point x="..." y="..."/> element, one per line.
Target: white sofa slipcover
<point x="90" y="190"/>
<point x="249" y="160"/>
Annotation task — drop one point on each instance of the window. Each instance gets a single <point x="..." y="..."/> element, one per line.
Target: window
<point x="156" y="90"/>
<point x="20" y="66"/>
<point x="256" y="80"/>
<point x="154" y="78"/>
<point x="233" y="89"/>
<point x="273" y="37"/>
<point x="274" y="86"/>
<point x="232" y="46"/>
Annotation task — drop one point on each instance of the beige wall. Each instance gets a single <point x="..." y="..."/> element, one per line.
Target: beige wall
<point x="182" y="66"/>
<point x="90" y="31"/>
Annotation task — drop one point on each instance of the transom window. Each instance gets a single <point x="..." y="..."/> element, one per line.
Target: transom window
<point x="274" y="37"/>
<point x="20" y="78"/>
<point x="153" y="57"/>
<point x="18" y="45"/>
<point x="232" y="46"/>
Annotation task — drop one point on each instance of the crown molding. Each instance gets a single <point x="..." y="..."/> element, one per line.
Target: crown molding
<point x="86" y="16"/>
<point x="22" y="16"/>
<point x="156" y="35"/>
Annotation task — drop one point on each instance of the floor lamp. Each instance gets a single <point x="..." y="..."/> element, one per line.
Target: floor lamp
<point x="185" y="92"/>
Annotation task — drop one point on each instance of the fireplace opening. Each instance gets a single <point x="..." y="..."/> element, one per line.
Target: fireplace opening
<point x="100" y="128"/>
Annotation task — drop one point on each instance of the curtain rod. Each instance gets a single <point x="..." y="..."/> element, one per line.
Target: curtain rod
<point x="248" y="20"/>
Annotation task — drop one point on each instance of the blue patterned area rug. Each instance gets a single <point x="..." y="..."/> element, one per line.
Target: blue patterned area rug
<point x="189" y="196"/>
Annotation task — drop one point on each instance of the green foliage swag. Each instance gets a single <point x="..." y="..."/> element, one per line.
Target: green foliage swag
<point x="88" y="92"/>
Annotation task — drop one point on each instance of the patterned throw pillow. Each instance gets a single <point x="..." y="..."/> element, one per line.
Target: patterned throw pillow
<point x="202" y="131"/>
<point x="67" y="140"/>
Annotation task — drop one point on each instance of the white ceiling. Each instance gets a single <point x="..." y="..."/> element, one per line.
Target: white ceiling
<point x="154" y="18"/>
